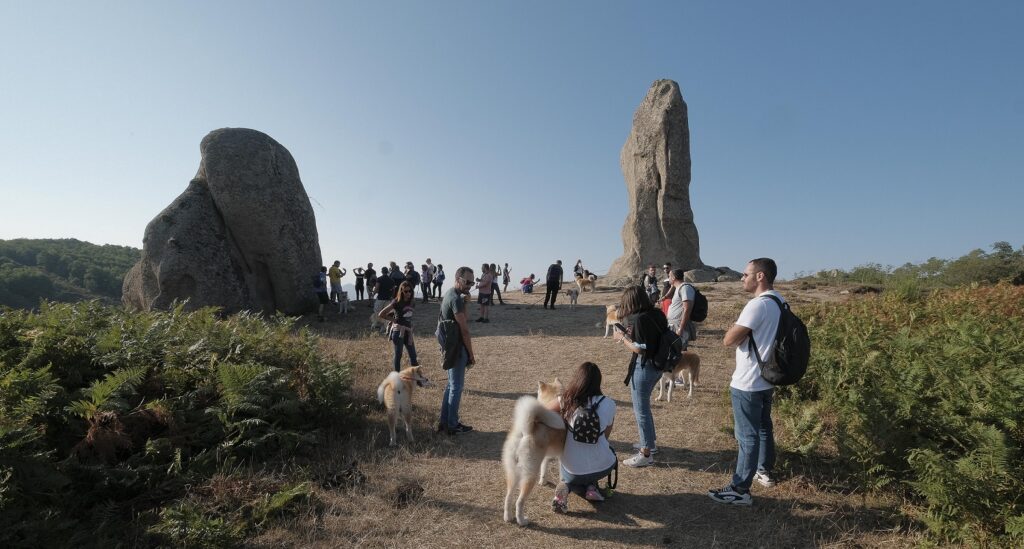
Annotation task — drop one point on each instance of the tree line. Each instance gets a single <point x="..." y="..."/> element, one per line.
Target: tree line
<point x="61" y="270"/>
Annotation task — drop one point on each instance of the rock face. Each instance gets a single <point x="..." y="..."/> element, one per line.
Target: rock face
<point x="242" y="236"/>
<point x="656" y="165"/>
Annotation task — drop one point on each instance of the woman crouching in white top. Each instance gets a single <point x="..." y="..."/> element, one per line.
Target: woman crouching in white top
<point x="588" y="457"/>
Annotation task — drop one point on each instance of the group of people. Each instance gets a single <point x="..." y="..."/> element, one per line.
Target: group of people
<point x="647" y="311"/>
<point x="752" y="335"/>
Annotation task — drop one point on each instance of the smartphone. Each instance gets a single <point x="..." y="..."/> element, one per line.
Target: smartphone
<point x="619" y="327"/>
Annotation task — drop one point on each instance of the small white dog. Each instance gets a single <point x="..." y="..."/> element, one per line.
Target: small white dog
<point x="574" y="296"/>
<point x="343" y="303"/>
<point x="396" y="394"/>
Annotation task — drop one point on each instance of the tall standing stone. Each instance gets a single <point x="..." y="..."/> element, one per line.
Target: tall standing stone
<point x="242" y="236"/>
<point x="656" y="165"/>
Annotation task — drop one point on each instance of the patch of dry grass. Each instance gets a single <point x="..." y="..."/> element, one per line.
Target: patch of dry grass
<point x="458" y="482"/>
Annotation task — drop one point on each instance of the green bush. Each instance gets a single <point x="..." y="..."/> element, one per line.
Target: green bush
<point x="106" y="414"/>
<point x="923" y="394"/>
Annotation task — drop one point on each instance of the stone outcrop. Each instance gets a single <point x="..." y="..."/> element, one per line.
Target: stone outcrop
<point x="242" y="236"/>
<point x="656" y="165"/>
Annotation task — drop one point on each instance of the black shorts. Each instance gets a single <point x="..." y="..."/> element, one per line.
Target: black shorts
<point x="324" y="298"/>
<point x="483" y="299"/>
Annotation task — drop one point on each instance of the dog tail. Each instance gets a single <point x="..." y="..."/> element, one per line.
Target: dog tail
<point x="383" y="385"/>
<point x="696" y="367"/>
<point x="529" y="411"/>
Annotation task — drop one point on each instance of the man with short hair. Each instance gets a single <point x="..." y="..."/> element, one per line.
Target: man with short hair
<point x="383" y="293"/>
<point x="456" y="350"/>
<point x="751" y="393"/>
<point x="681" y="308"/>
<point x="650" y="282"/>
<point x="335" y="273"/>
<point x="553" y="283"/>
<point x="371" y="282"/>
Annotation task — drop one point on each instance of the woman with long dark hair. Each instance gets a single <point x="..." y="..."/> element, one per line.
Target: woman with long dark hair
<point x="399" y="312"/>
<point x="587" y="457"/>
<point x="645" y="324"/>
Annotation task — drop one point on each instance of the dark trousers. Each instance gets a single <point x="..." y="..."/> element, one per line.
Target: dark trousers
<point x="551" y="294"/>
<point x="425" y="288"/>
<point x="496" y="291"/>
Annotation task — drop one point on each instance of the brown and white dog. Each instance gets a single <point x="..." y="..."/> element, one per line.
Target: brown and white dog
<point x="538" y="434"/>
<point x="584" y="282"/>
<point x="689" y="363"/>
<point x="396" y="394"/>
<point x="574" y="295"/>
<point x="610" y="318"/>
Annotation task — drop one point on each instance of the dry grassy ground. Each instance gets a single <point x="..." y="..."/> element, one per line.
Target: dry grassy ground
<point x="462" y="479"/>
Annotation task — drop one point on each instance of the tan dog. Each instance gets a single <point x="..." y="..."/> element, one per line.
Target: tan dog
<point x="690" y="363"/>
<point x="610" y="318"/>
<point x="584" y="282"/>
<point x="396" y="394"/>
<point x="538" y="433"/>
<point x="574" y="296"/>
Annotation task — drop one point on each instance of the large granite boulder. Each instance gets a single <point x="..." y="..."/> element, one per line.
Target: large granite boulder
<point x="656" y="165"/>
<point x="242" y="236"/>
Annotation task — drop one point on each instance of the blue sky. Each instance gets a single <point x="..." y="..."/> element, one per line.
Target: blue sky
<point x="823" y="134"/>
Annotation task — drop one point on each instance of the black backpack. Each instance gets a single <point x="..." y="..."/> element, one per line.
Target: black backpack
<point x="792" y="349"/>
<point x="670" y="351"/>
<point x="586" y="426"/>
<point x="700" y="305"/>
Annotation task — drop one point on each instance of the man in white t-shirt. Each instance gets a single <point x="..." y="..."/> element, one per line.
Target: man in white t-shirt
<point x="751" y="393"/>
<point x="681" y="308"/>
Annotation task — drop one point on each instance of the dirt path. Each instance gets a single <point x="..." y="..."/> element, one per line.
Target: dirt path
<point x="462" y="479"/>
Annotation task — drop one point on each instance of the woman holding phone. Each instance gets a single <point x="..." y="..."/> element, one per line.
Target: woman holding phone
<point x="641" y="336"/>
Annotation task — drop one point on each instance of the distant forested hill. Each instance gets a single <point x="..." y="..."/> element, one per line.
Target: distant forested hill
<point x="61" y="270"/>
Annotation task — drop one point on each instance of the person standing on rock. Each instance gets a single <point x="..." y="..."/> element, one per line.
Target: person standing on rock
<point x="751" y="393"/>
<point x="456" y="350"/>
<point x="412" y="276"/>
<point x="484" y="293"/>
<point x="371" y="281"/>
<point x="554" y="283"/>
<point x="383" y="291"/>
<point x="578" y="271"/>
<point x="335" y="273"/>
<point x="438" y="281"/>
<point x="360" y="287"/>
<point x="506" y="277"/>
<point x="426" y="277"/>
<point x="494" y="283"/>
<point x="320" y="287"/>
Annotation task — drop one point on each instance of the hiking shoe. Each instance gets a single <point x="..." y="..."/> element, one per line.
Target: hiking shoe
<point x="485" y="320"/>
<point x="593" y="494"/>
<point x="639" y="460"/>
<point x="481" y="319"/>
<point x="764" y="478"/>
<point x="460" y="428"/>
<point x="560" y="503"/>
<point x="729" y="496"/>
<point x="654" y="450"/>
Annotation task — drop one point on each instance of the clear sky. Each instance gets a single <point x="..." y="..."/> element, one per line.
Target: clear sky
<point x="823" y="134"/>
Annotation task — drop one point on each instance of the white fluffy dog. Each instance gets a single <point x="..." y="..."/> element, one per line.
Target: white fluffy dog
<point x="538" y="433"/>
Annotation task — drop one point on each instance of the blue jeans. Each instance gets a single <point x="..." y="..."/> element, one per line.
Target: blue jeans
<point x="453" y="392"/>
<point x="645" y="377"/>
<point x="752" y="411"/>
<point x="584" y="480"/>
<point x="399" y="341"/>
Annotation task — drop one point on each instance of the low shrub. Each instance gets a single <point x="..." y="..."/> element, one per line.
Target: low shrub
<point x="922" y="395"/>
<point x="106" y="415"/>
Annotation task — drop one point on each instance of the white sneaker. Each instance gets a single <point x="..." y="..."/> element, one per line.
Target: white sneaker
<point x="636" y="446"/>
<point x="764" y="478"/>
<point x="639" y="460"/>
